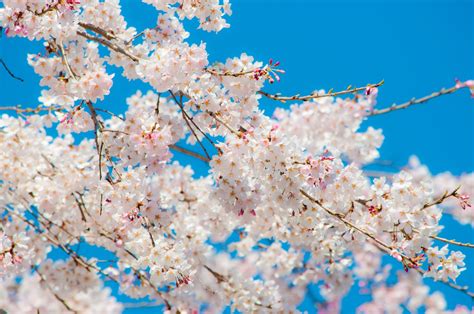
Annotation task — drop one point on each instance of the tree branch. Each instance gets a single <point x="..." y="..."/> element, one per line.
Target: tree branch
<point x="315" y="95"/>
<point x="10" y="72"/>
<point x="414" y="101"/>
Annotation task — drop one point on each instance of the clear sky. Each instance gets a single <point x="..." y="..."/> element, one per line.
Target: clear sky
<point x="417" y="46"/>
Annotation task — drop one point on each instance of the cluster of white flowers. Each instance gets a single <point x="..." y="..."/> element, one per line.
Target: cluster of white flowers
<point x="143" y="135"/>
<point x="55" y="285"/>
<point x="442" y="267"/>
<point x="411" y="294"/>
<point x="289" y="192"/>
<point x="16" y="250"/>
<point x="209" y="12"/>
<point x="458" y="205"/>
<point x="328" y="123"/>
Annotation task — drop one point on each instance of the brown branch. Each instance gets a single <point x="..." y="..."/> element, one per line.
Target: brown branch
<point x="157" y="109"/>
<point x="79" y="205"/>
<point x="97" y="128"/>
<point x="315" y="95"/>
<point x="109" y="44"/>
<point x="189" y="152"/>
<point x="20" y="110"/>
<point x="97" y="30"/>
<point x="144" y="279"/>
<point x="228" y="73"/>
<point x="65" y="61"/>
<point x="453" y="242"/>
<point x="414" y="101"/>
<point x="147" y="225"/>
<point x="135" y="37"/>
<point x="442" y="198"/>
<point x="109" y="112"/>
<point x="228" y="127"/>
<point x="220" y="278"/>
<point x="180" y="104"/>
<point x="186" y="119"/>
<point x="9" y="71"/>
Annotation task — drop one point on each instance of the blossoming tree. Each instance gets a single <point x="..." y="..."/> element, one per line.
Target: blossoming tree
<point x="291" y="189"/>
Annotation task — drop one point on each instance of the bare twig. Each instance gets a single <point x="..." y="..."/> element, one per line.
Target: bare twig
<point x="315" y="95"/>
<point x="442" y="198"/>
<point x="189" y="152"/>
<point x="65" y="61"/>
<point x="414" y="101"/>
<point x="157" y="109"/>
<point x="453" y="242"/>
<point x="97" y="129"/>
<point x="97" y="30"/>
<point x="180" y="104"/>
<point x="10" y="72"/>
<point x="228" y="127"/>
<point x="20" y="110"/>
<point x="135" y="37"/>
<point x="109" y="112"/>
<point x="228" y="73"/>
<point x="79" y="205"/>
<point x="110" y="44"/>
<point x="186" y="119"/>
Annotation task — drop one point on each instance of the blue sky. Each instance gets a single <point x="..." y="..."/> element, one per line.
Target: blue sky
<point x="416" y="46"/>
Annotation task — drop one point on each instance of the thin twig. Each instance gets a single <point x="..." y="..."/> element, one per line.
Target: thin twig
<point x="38" y="109"/>
<point x="442" y="198"/>
<point x="189" y="152"/>
<point x="10" y="72"/>
<point x="180" y="104"/>
<point x="135" y="37"/>
<point x="232" y="130"/>
<point x="65" y="61"/>
<point x="414" y="101"/>
<point x="228" y="73"/>
<point x="109" y="44"/>
<point x="315" y="95"/>
<point x="157" y="109"/>
<point x="185" y="118"/>
<point x="453" y="242"/>
<point x="110" y="112"/>
<point x="146" y="225"/>
<point x="79" y="205"/>
<point x="97" y="129"/>
<point x="97" y="30"/>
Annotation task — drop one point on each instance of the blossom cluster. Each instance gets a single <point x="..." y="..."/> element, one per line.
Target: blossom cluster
<point x="287" y="203"/>
<point x="408" y="293"/>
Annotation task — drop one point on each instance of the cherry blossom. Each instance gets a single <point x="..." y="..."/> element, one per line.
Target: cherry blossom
<point x="287" y="203"/>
